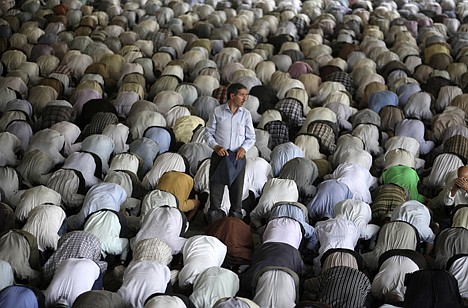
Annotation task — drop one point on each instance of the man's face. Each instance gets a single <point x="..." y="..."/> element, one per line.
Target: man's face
<point x="240" y="98"/>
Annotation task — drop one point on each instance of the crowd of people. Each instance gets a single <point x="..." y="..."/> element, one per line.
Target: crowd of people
<point x="242" y="153"/>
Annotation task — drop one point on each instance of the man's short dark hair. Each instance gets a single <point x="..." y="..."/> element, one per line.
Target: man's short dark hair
<point x="234" y="88"/>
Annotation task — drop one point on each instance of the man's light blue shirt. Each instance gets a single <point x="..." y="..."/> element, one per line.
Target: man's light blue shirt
<point x="231" y="131"/>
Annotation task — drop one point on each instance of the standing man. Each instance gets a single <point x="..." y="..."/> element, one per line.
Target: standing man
<point x="230" y="133"/>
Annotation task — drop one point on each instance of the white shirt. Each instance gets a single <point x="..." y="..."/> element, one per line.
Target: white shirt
<point x="73" y="277"/>
<point x="199" y="253"/>
<point x="336" y="233"/>
<point x="275" y="190"/>
<point x="44" y="222"/>
<point x="34" y="197"/>
<point x="283" y="230"/>
<point x="164" y="223"/>
<point x="141" y="279"/>
<point x="165" y="162"/>
<point x="358" y="179"/>
<point x="358" y="212"/>
<point x="389" y="283"/>
<point x="106" y="226"/>
<point x="418" y="215"/>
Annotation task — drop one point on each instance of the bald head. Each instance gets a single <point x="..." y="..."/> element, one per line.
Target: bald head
<point x="463" y="172"/>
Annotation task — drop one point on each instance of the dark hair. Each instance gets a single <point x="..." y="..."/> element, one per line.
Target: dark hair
<point x="233" y="88"/>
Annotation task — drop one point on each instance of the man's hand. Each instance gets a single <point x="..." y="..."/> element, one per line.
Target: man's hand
<point x="221" y="151"/>
<point x="462" y="183"/>
<point x="240" y="153"/>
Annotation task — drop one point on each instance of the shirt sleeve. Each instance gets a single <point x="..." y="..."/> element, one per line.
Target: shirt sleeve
<point x="249" y="132"/>
<point x="210" y="131"/>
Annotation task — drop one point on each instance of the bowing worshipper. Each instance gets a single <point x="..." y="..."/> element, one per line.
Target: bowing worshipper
<point x="275" y="190"/>
<point x="282" y="154"/>
<point x="75" y="244"/>
<point x="47" y="223"/>
<point x="111" y="229"/>
<point x="164" y="162"/>
<point x="386" y="198"/>
<point x="88" y="164"/>
<point x="70" y="184"/>
<point x="392" y="235"/>
<point x="34" y="197"/>
<point x="358" y="212"/>
<point x="212" y="284"/>
<point x="329" y="193"/>
<point x="257" y="173"/>
<point x="269" y="281"/>
<point x="99" y="298"/>
<point x="459" y="216"/>
<point x="388" y="286"/>
<point x="457" y="266"/>
<point x="152" y="249"/>
<point x="147" y="150"/>
<point x="36" y="168"/>
<point x="236" y="235"/>
<point x="415" y="129"/>
<point x="165" y="223"/>
<point x="304" y="172"/>
<point x="141" y="279"/>
<point x="22" y="296"/>
<point x="357" y="178"/>
<point x="168" y="300"/>
<point x="271" y="254"/>
<point x="418" y="215"/>
<point x="181" y="186"/>
<point x="335" y="233"/>
<point x="73" y="277"/>
<point x="199" y="253"/>
<point x="298" y="212"/>
<point x="431" y="288"/>
<point x="100" y="145"/>
<point x="10" y="148"/>
<point x="19" y="248"/>
<point x="450" y="242"/>
<point x="102" y="196"/>
<point x="405" y="177"/>
<point x="283" y="230"/>
<point x="339" y="286"/>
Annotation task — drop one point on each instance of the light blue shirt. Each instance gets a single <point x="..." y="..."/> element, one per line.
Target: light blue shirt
<point x="231" y="131"/>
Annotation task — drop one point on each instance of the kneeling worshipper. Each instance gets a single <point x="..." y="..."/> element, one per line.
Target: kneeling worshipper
<point x="75" y="244"/>
<point x="432" y="288"/>
<point x="19" y="248"/>
<point x="141" y="279"/>
<point x="72" y="278"/>
<point x="199" y="253"/>
<point x="236" y="235"/>
<point x="418" y="215"/>
<point x="212" y="284"/>
<point x="392" y="235"/>
<point x="7" y="277"/>
<point x="328" y="194"/>
<point x="388" y="285"/>
<point x="180" y="185"/>
<point x="268" y="281"/>
<point x="172" y="300"/>
<point x="102" y="196"/>
<point x="165" y="223"/>
<point x="271" y="254"/>
<point x="339" y="286"/>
